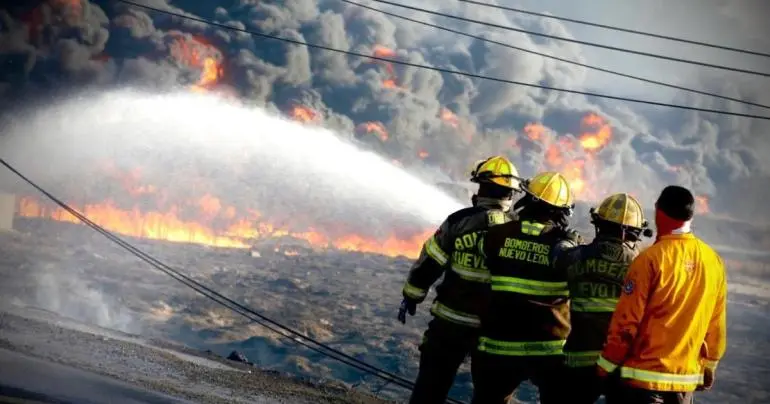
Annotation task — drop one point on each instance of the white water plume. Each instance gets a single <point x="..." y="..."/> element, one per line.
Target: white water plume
<point x="192" y="144"/>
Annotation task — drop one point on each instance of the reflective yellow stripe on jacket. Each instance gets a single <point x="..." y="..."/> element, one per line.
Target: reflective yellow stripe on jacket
<point x="440" y="310"/>
<point x="414" y="292"/>
<point x="529" y="348"/>
<point x="471" y="274"/>
<point x="594" y="304"/>
<point x="663" y="381"/>
<point x="435" y="252"/>
<point x="528" y="287"/>
<point x="532" y="228"/>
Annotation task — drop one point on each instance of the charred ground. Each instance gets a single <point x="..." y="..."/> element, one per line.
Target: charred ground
<point x="347" y="300"/>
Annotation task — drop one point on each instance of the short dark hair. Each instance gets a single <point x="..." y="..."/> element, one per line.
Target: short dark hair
<point x="676" y="202"/>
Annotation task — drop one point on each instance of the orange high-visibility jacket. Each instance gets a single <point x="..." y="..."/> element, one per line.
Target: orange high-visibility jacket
<point x="670" y="321"/>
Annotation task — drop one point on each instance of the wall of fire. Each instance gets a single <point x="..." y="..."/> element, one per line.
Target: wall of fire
<point x="7" y="211"/>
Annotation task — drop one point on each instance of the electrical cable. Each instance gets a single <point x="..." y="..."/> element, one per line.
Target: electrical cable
<point x="577" y="41"/>
<point x="616" y="28"/>
<point x="442" y="70"/>
<point x="215" y="296"/>
<point x="545" y="55"/>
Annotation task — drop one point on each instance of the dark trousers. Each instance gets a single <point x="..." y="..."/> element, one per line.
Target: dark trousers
<point x="496" y="377"/>
<point x="444" y="347"/>
<point x="580" y="385"/>
<point x="625" y="394"/>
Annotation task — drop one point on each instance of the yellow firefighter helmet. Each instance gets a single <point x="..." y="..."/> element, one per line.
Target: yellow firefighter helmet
<point x="622" y="209"/>
<point x="551" y="188"/>
<point x="496" y="170"/>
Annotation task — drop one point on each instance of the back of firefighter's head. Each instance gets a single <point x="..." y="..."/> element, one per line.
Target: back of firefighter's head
<point x="548" y="196"/>
<point x="498" y="179"/>
<point x="676" y="202"/>
<point x="621" y="216"/>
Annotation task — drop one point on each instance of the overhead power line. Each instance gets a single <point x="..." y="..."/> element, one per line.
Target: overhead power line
<point x="442" y="70"/>
<point x="545" y="55"/>
<point x="577" y="41"/>
<point x="616" y="28"/>
<point x="251" y="314"/>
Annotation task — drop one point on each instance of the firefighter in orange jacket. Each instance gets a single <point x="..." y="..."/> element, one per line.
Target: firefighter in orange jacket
<point x="525" y="320"/>
<point x="595" y="274"/>
<point x="452" y="252"/>
<point x="669" y="328"/>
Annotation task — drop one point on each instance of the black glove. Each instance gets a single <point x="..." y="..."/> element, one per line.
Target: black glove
<point x="407" y="305"/>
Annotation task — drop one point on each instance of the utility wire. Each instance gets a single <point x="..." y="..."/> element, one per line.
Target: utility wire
<point x="577" y="41"/>
<point x="600" y="69"/>
<point x="442" y="70"/>
<point x="616" y="28"/>
<point x="261" y="319"/>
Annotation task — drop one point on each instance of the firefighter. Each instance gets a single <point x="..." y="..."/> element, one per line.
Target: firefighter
<point x="595" y="275"/>
<point x="452" y="251"/>
<point x="669" y="328"/>
<point x="525" y="321"/>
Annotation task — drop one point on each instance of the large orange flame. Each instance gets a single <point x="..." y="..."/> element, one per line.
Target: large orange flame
<point x="575" y="159"/>
<point x="196" y="52"/>
<point x="534" y="131"/>
<point x="596" y="132"/>
<point x="391" y="82"/>
<point x="239" y="232"/>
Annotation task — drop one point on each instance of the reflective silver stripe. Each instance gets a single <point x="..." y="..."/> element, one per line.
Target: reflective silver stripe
<point x="435" y="252"/>
<point x="581" y="359"/>
<point x="649" y="376"/>
<point x="529" y="287"/>
<point x="608" y="366"/>
<point x="528" y="348"/>
<point x="414" y="292"/>
<point x="471" y="274"/>
<point x="594" y="304"/>
<point x="457" y="317"/>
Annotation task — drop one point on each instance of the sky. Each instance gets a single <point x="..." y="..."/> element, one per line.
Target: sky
<point x="58" y="47"/>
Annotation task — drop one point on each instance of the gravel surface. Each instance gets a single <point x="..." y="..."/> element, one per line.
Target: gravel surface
<point x="158" y="366"/>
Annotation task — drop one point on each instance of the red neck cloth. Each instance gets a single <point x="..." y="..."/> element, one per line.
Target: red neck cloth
<point x="667" y="225"/>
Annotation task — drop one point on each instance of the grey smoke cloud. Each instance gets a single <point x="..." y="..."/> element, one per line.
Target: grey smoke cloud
<point x="108" y="43"/>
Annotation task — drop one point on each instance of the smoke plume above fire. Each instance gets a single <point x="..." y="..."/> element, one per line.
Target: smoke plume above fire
<point x="416" y="118"/>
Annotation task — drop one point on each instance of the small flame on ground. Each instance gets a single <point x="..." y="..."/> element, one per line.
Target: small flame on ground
<point x="303" y="114"/>
<point x="450" y="118"/>
<point x="702" y="204"/>
<point x="423" y="154"/>
<point x="376" y="128"/>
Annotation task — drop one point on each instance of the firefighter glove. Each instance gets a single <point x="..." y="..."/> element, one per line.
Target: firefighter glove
<point x="407" y="306"/>
<point x="575" y="237"/>
<point x="709" y="376"/>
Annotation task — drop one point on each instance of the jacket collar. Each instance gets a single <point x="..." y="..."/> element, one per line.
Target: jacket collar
<point x="490" y="203"/>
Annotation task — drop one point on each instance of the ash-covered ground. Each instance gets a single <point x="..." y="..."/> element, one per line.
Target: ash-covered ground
<point x="348" y="300"/>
